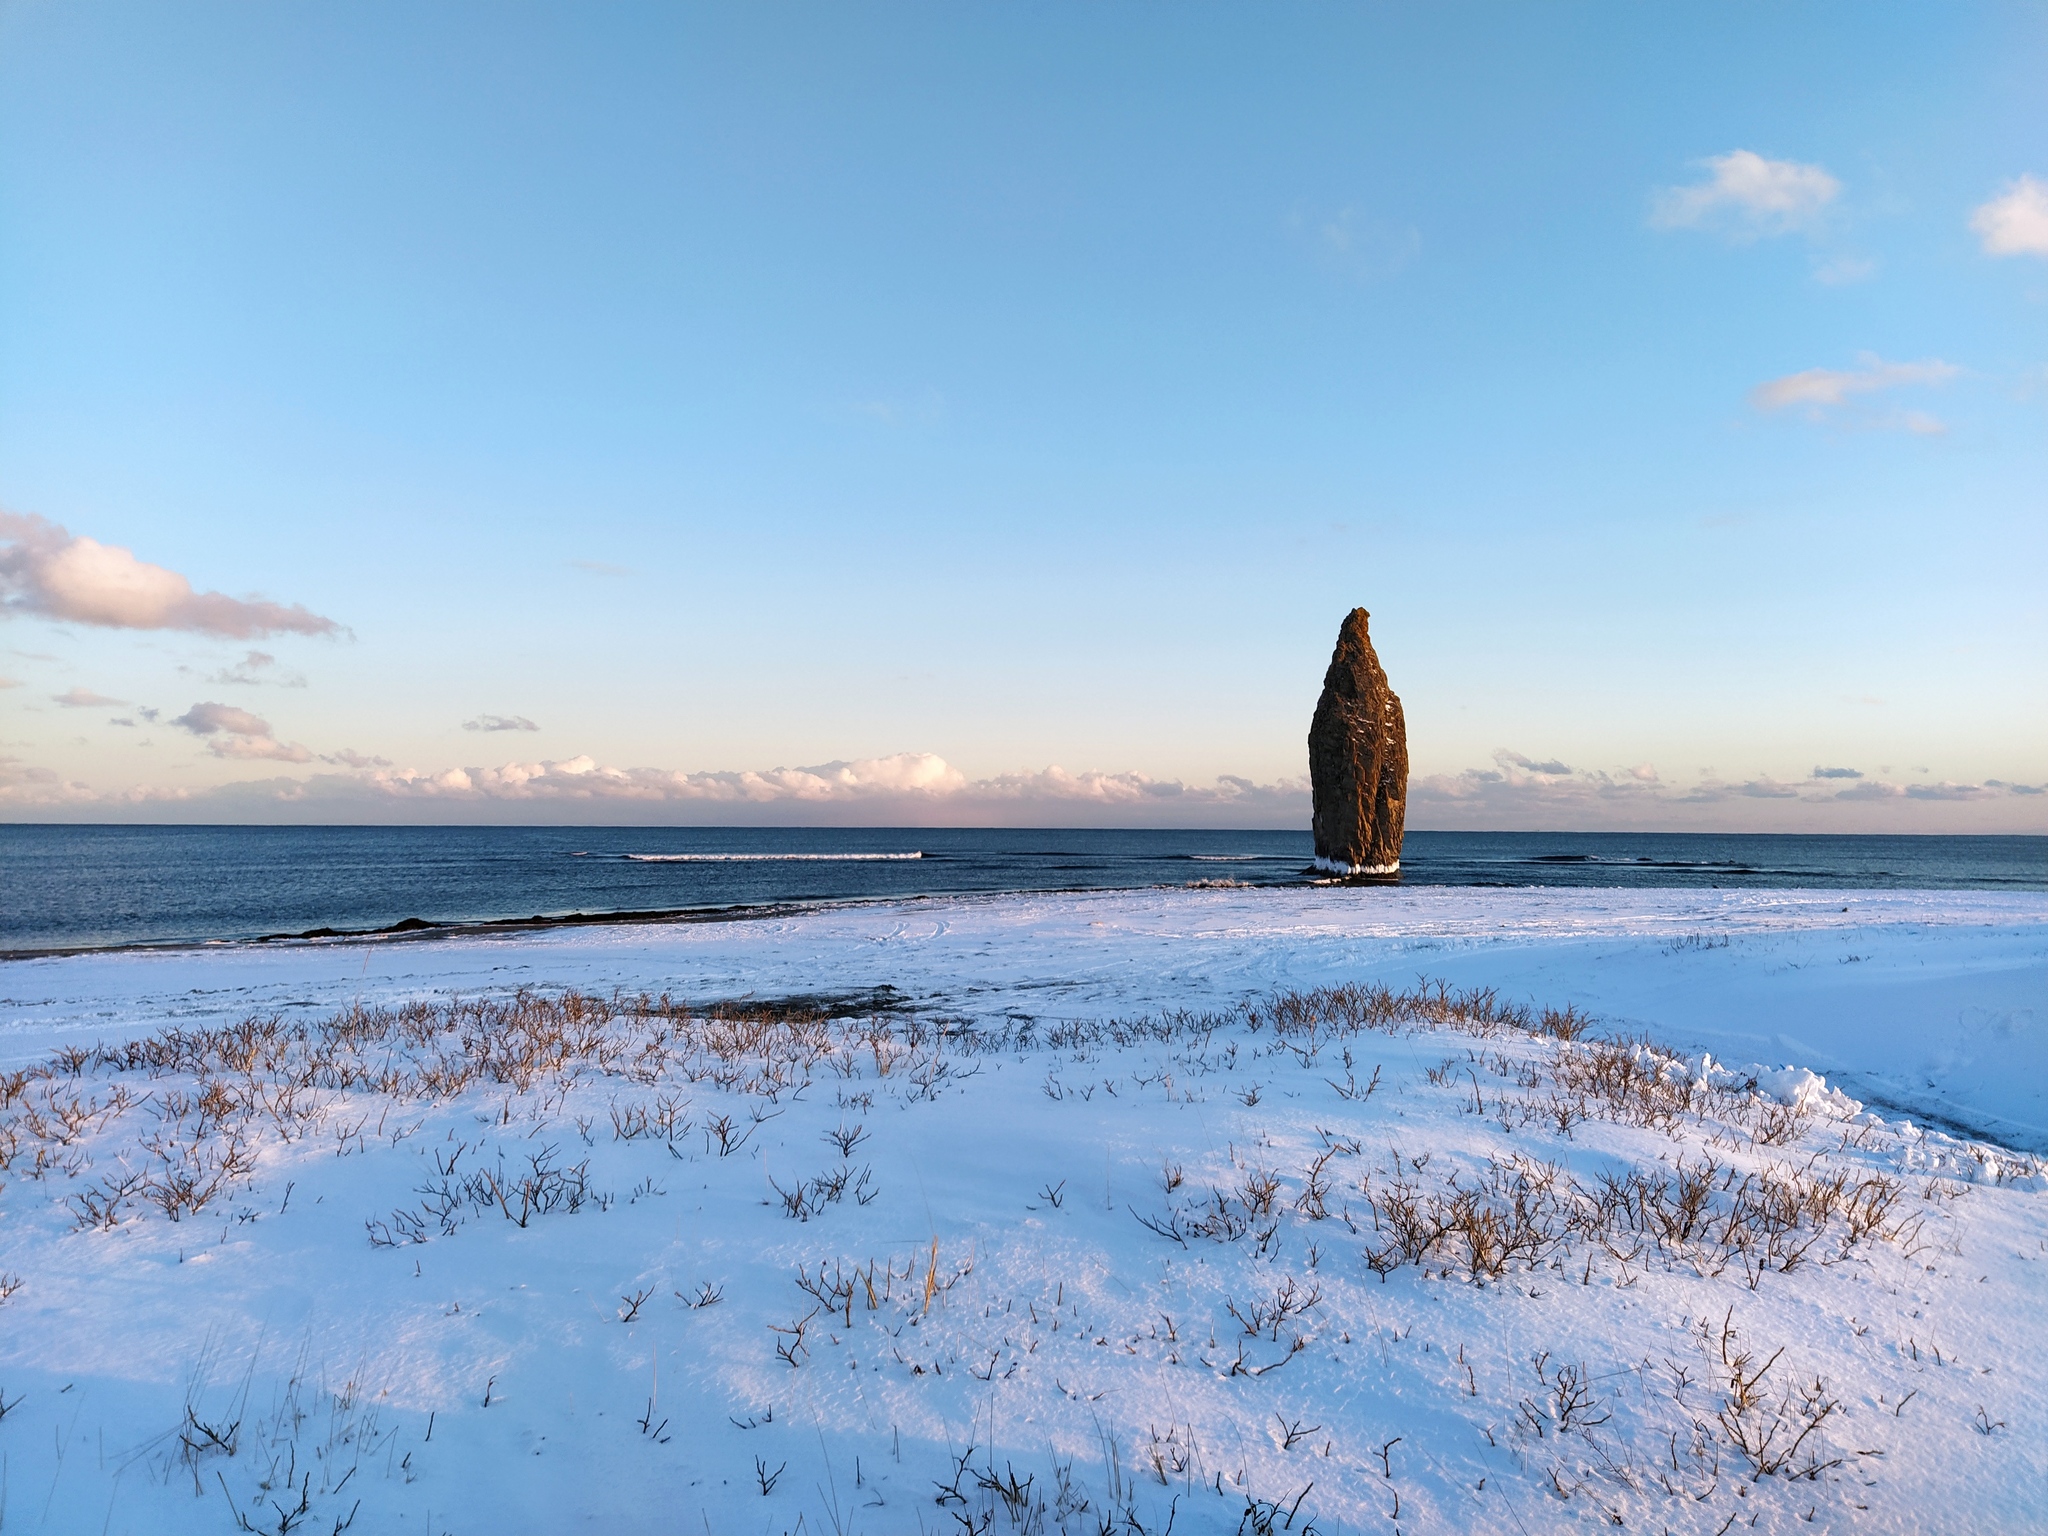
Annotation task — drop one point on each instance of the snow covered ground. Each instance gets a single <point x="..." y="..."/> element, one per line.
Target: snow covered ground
<point x="979" y="1260"/>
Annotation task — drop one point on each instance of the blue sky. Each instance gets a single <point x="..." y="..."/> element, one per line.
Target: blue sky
<point x="842" y="413"/>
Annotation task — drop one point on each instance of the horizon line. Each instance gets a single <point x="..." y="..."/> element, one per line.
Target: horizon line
<point x="814" y="827"/>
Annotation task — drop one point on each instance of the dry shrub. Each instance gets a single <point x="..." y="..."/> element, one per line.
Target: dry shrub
<point x="214" y="1093"/>
<point x="1629" y="1081"/>
<point x="1518" y="1215"/>
<point x="1565" y="1024"/>
<point x="1770" y="1433"/>
<point x="1523" y="1213"/>
<point x="1308" y="1019"/>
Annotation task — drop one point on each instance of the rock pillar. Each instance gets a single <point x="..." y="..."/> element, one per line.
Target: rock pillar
<point x="1358" y="761"/>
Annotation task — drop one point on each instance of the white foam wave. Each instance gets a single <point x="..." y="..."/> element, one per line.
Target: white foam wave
<point x="766" y="858"/>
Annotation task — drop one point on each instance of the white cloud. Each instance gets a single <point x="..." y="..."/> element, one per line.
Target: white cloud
<point x="1747" y="195"/>
<point x="46" y="570"/>
<point x="24" y="784"/>
<point x="84" y="698"/>
<point x="2015" y="223"/>
<point x="1820" y="390"/>
<point x="912" y="786"/>
<point x="582" y="778"/>
<point x="921" y="789"/>
<point x="210" y="719"/>
<point x="499" y="723"/>
<point x="235" y="733"/>
<point x="10" y="682"/>
<point x="1511" y="760"/>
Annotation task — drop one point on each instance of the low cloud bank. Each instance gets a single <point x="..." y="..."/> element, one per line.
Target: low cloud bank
<point x="1518" y="792"/>
<point x="908" y="788"/>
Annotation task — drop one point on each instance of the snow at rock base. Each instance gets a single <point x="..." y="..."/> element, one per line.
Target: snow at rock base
<point x="1072" y="1224"/>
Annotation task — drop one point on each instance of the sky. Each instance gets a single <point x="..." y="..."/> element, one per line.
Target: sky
<point x="987" y="414"/>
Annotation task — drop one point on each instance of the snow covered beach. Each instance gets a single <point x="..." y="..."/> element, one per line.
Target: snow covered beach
<point x="1071" y="1224"/>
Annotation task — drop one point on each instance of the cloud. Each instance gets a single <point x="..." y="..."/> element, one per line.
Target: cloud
<point x="1746" y="195"/>
<point x="1819" y="391"/>
<point x="907" y="788"/>
<point x="46" y="570"/>
<point x="1518" y="785"/>
<point x="1355" y="245"/>
<point x="257" y="668"/>
<point x="347" y="757"/>
<point x="25" y="784"/>
<point x="499" y="723"/>
<point x="84" y="698"/>
<point x="2015" y="223"/>
<point x="259" y="746"/>
<point x="911" y="789"/>
<point x="235" y="733"/>
<point x="10" y="682"/>
<point x="1948" y="791"/>
<point x="1765" y="788"/>
<point x="1517" y="793"/>
<point x="210" y="719"/>
<point x="1515" y="759"/>
<point x="922" y="410"/>
<point x="582" y="777"/>
<point x="1839" y="271"/>
<point x="1871" y="789"/>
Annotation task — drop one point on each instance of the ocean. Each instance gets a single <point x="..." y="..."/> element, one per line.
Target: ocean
<point x="90" y="887"/>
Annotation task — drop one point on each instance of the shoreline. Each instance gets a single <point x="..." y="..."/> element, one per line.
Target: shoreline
<point x="1311" y="878"/>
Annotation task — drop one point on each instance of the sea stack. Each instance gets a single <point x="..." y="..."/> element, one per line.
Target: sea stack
<point x="1358" y="761"/>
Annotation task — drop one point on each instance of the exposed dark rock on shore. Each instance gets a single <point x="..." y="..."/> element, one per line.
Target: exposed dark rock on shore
<point x="1358" y="761"/>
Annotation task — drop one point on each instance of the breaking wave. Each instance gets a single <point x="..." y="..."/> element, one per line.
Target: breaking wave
<point x="766" y="858"/>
